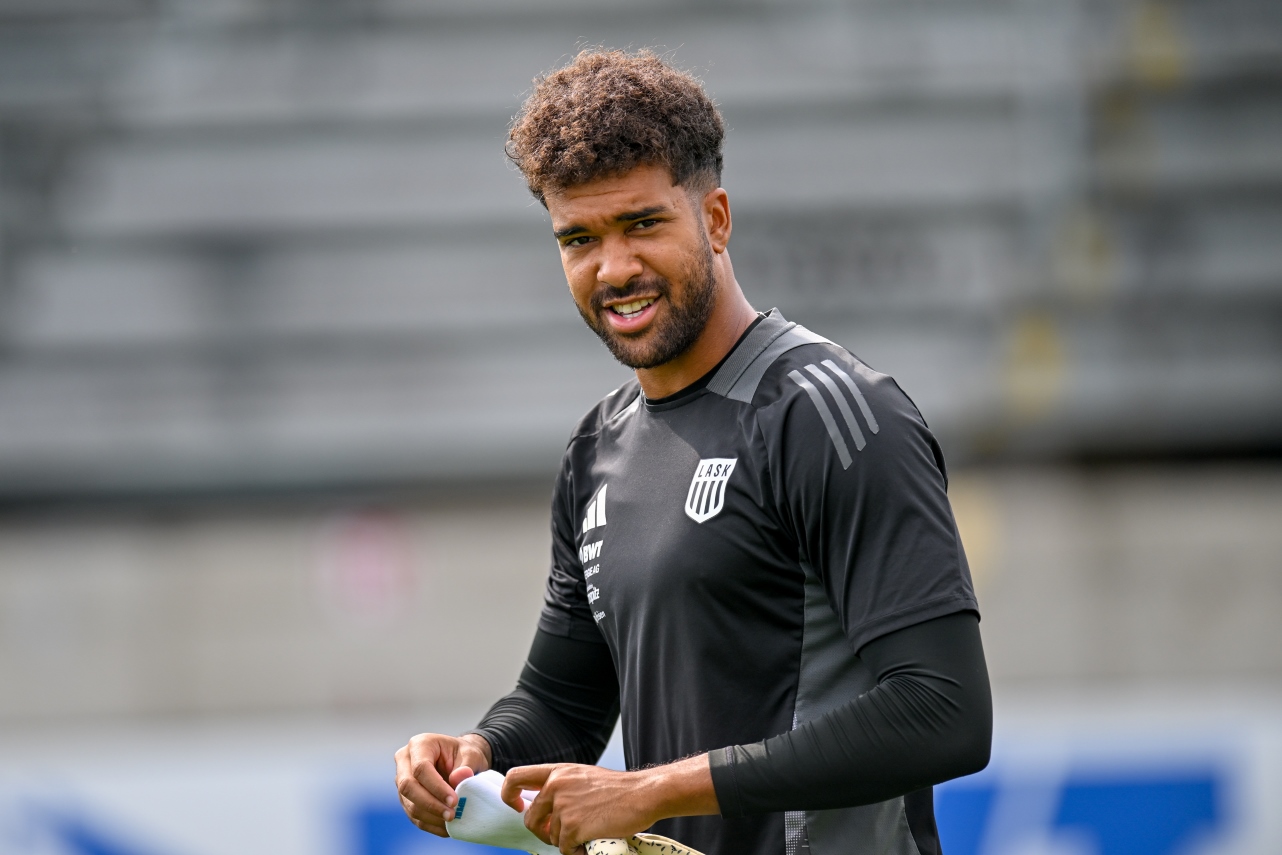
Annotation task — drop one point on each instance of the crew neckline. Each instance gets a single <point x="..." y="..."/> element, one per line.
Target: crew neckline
<point x="702" y="383"/>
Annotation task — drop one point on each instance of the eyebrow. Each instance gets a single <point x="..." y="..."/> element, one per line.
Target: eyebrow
<point x="627" y="216"/>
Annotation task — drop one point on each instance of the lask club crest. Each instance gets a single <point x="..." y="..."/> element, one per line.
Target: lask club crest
<point x="707" y="494"/>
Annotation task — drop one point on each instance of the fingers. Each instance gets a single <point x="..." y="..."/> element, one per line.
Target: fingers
<point x="524" y="778"/>
<point x="576" y="804"/>
<point x="564" y="837"/>
<point x="558" y="835"/>
<point x="424" y="821"/>
<point x="554" y="835"/>
<point x="537" y="817"/>
<point x="545" y="817"/>
<point x="419" y="805"/>
<point x="431" y="756"/>
<point x="426" y="798"/>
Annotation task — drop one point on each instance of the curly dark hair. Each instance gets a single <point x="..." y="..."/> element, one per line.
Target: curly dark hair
<point x="609" y="111"/>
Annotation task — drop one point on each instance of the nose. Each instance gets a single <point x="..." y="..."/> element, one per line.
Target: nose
<point x="619" y="264"/>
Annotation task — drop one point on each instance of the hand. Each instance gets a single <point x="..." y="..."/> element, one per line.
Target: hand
<point x="577" y="803"/>
<point x="427" y="771"/>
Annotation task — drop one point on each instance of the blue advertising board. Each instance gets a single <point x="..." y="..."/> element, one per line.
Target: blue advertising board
<point x="1056" y="786"/>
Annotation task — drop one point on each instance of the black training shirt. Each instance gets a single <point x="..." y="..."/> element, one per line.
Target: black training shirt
<point x="735" y="546"/>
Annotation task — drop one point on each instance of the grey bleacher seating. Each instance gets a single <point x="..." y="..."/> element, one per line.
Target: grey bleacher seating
<point x="253" y="244"/>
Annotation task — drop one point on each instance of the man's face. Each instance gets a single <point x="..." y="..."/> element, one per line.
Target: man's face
<point x="638" y="262"/>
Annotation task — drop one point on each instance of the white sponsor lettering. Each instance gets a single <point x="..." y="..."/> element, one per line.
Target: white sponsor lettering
<point x="594" y="594"/>
<point x="590" y="551"/>
<point x="591" y="571"/>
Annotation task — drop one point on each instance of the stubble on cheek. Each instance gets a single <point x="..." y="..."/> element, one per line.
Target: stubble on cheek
<point x="636" y="350"/>
<point x="676" y="325"/>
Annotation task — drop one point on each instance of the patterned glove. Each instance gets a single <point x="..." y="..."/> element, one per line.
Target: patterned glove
<point x="639" y="844"/>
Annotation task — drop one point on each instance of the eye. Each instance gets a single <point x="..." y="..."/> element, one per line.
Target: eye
<point x="645" y="224"/>
<point x="577" y="241"/>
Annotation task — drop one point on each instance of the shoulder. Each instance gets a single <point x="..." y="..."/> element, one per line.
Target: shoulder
<point x="606" y="410"/>
<point x="781" y="362"/>
<point x="815" y="394"/>
<point x="825" y="371"/>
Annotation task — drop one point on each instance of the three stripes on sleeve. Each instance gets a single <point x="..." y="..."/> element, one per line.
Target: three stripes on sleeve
<point x="842" y="390"/>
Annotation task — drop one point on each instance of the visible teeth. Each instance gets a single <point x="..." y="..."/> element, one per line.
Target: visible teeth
<point x="630" y="309"/>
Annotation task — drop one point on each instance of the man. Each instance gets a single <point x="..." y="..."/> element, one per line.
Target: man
<point x="753" y="553"/>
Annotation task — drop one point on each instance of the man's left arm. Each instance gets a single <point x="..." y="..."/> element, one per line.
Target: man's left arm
<point x="927" y="720"/>
<point x="865" y="496"/>
<point x="576" y="804"/>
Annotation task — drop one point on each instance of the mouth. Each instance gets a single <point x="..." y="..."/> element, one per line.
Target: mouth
<point x="632" y="309"/>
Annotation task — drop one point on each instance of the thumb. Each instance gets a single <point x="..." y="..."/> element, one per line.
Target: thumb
<point x="459" y="775"/>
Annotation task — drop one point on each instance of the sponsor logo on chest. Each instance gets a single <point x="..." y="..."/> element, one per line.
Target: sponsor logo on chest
<point x="707" y="495"/>
<point x="593" y="518"/>
<point x="595" y="514"/>
<point x="590" y="551"/>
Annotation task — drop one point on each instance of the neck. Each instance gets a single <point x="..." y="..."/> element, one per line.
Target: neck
<point x="731" y="316"/>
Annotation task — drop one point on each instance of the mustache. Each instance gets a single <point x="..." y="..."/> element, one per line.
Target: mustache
<point x="634" y="287"/>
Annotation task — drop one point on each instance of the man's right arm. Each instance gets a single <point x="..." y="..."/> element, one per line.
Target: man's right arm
<point x="567" y="698"/>
<point x="562" y="710"/>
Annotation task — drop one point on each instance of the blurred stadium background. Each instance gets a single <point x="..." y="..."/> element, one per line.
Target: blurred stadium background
<point x="286" y="366"/>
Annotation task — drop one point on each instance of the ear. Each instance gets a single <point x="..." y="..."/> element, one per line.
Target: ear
<point x="716" y="218"/>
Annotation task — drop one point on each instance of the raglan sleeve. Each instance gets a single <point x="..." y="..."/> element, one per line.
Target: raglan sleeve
<point x="860" y="483"/>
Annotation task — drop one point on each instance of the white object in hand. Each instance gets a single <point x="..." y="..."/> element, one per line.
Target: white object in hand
<point x="483" y="817"/>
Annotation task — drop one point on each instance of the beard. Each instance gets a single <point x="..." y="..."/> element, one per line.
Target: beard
<point x="672" y="333"/>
